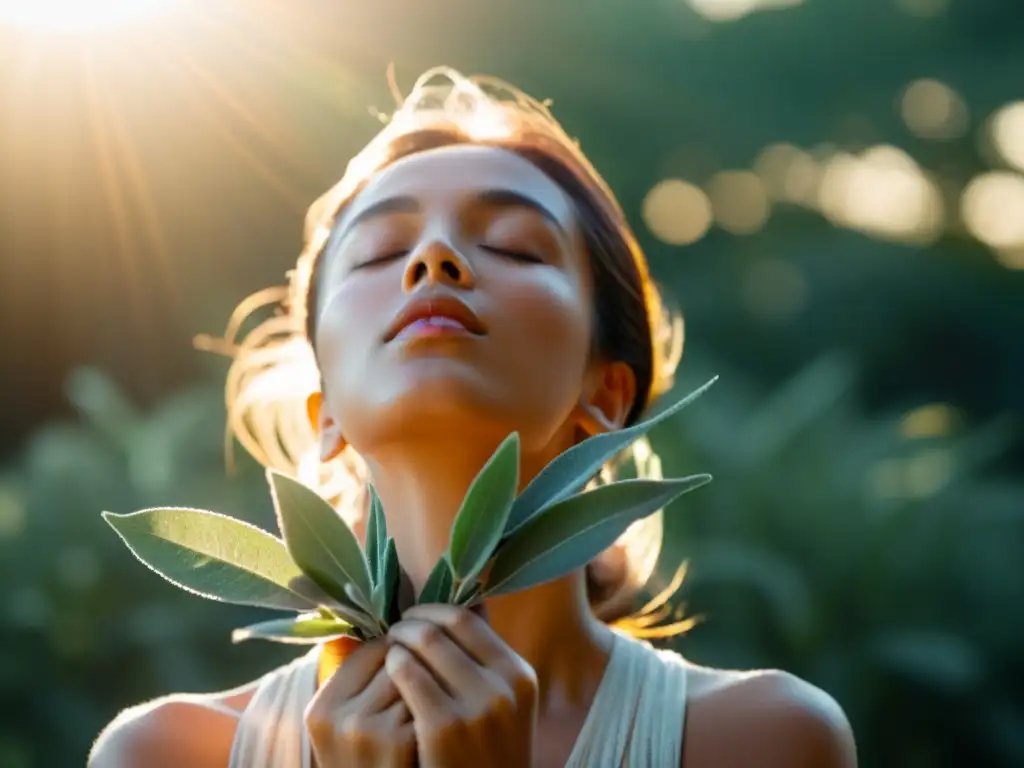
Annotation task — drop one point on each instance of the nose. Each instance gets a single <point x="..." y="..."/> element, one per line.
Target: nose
<point x="437" y="263"/>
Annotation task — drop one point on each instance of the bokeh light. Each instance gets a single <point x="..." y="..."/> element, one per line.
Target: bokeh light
<point x="929" y="421"/>
<point x="1007" y="133"/>
<point x="882" y="192"/>
<point x="915" y="477"/>
<point x="732" y="10"/>
<point x="933" y="110"/>
<point x="992" y="208"/>
<point x="788" y="173"/>
<point x="677" y="212"/>
<point x="739" y="201"/>
<point x="1011" y="258"/>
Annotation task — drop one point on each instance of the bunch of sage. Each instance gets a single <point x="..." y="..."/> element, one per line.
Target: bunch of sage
<point x="499" y="542"/>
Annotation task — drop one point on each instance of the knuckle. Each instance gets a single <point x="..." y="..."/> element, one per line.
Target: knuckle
<point x="398" y="715"/>
<point x="357" y="734"/>
<point x="318" y="725"/>
<point x="399" y="669"/>
<point x="524" y="684"/>
<point x="462" y="619"/>
<point x="319" y="729"/>
<point x="352" y="725"/>
<point x="431" y="635"/>
<point x="503" y="704"/>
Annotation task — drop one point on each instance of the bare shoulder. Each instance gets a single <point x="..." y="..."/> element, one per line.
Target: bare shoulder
<point x="767" y="718"/>
<point x="150" y="734"/>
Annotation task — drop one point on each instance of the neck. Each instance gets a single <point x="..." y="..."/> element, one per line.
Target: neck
<point x="422" y="480"/>
<point x="551" y="626"/>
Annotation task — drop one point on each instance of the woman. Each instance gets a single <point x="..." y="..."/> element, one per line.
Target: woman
<point x="471" y="275"/>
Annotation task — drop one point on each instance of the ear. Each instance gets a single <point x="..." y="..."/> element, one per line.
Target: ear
<point x="332" y="442"/>
<point x="608" y="395"/>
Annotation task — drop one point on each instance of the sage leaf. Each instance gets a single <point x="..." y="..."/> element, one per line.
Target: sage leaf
<point x="318" y="538"/>
<point x="438" y="587"/>
<point x="363" y="601"/>
<point x="480" y="522"/>
<point x="384" y="591"/>
<point x="379" y="599"/>
<point x="357" y="617"/>
<point x="217" y="557"/>
<point x="467" y="592"/>
<point x="376" y="537"/>
<point x="569" y="534"/>
<point x="302" y="630"/>
<point x="574" y="468"/>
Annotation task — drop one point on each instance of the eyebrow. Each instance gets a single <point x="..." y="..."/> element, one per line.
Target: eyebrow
<point x="494" y="198"/>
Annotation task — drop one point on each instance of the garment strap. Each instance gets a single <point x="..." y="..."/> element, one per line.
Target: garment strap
<point x="639" y="711"/>
<point x="271" y="732"/>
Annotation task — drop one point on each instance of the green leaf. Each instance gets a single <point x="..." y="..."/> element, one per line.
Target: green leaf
<point x="480" y="523"/>
<point x="303" y="630"/>
<point x="438" y="587"/>
<point x="363" y="602"/>
<point x="376" y="537"/>
<point x="384" y="591"/>
<point x="467" y="592"/>
<point x="357" y="617"/>
<point x="571" y="533"/>
<point x="217" y="557"/>
<point x="572" y="470"/>
<point x="319" y="540"/>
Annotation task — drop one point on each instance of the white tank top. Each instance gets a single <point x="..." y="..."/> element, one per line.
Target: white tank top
<point x="636" y="719"/>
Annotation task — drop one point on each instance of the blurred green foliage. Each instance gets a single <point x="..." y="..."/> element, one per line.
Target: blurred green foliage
<point x="84" y="629"/>
<point x="883" y="567"/>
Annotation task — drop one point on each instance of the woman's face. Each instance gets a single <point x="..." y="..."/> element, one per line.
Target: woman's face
<point x="455" y="295"/>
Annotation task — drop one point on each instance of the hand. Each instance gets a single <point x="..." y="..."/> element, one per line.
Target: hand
<point x="473" y="699"/>
<point x="357" y="718"/>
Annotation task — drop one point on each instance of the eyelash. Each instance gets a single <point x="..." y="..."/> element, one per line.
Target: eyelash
<point x="381" y="260"/>
<point x="519" y="256"/>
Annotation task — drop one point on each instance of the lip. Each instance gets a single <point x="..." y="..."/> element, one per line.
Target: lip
<point x="436" y="306"/>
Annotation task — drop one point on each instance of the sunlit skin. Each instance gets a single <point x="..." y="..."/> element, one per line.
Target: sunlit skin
<point x="425" y="409"/>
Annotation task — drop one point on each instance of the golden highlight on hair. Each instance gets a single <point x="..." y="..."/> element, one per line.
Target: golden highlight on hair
<point x="273" y="368"/>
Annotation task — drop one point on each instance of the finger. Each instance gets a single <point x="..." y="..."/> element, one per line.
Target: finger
<point x="397" y="715"/>
<point x="379" y="695"/>
<point x="421" y="693"/>
<point x="355" y="673"/>
<point x="458" y="672"/>
<point x="471" y="632"/>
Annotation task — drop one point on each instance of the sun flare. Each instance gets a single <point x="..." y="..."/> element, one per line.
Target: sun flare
<point x="72" y="15"/>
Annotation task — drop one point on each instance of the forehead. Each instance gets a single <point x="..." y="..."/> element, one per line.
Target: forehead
<point x="450" y="175"/>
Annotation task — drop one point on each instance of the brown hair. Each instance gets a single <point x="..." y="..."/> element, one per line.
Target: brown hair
<point x="631" y="325"/>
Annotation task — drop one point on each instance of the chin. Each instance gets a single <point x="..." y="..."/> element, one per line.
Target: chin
<point x="437" y="405"/>
<point x="439" y="396"/>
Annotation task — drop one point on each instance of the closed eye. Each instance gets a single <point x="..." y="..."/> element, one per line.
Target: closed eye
<point x="379" y="261"/>
<point x="521" y="256"/>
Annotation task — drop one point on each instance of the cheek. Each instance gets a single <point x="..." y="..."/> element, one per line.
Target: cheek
<point x="550" y="325"/>
<point x="346" y="329"/>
